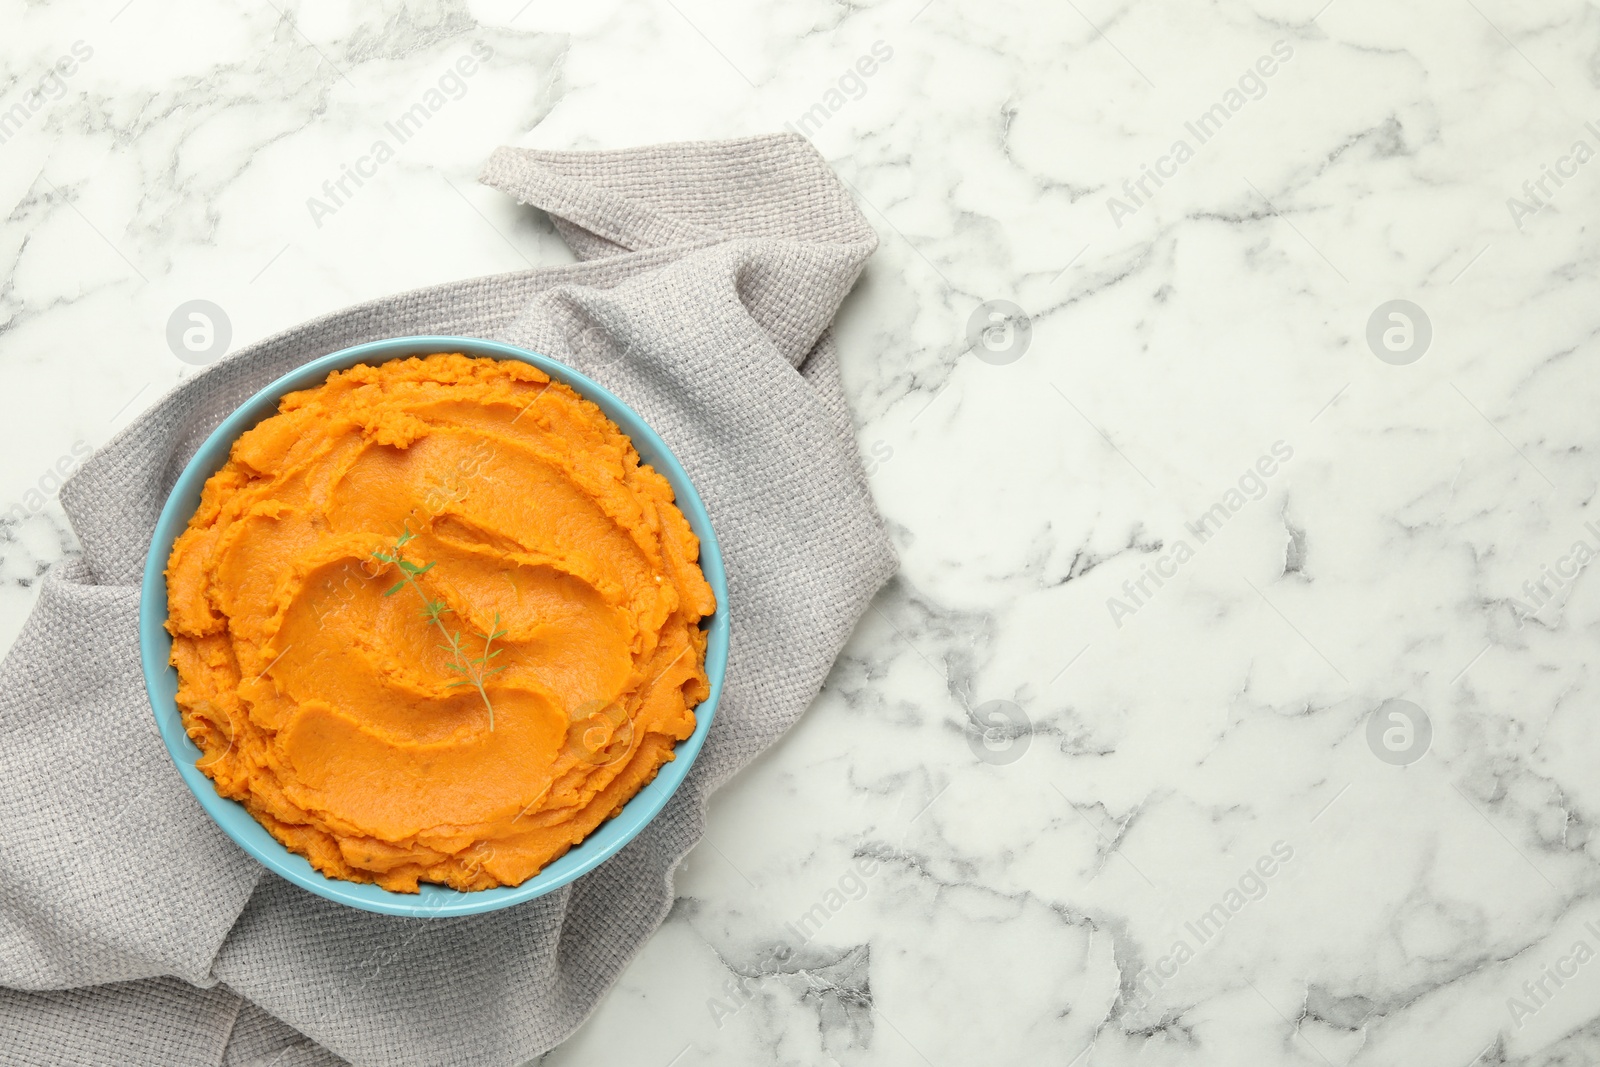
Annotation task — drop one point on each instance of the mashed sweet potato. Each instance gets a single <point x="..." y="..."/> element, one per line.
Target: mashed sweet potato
<point x="325" y="700"/>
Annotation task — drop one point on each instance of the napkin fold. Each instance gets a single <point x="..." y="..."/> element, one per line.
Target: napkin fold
<point x="133" y="931"/>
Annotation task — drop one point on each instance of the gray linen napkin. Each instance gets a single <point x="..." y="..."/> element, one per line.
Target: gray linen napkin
<point x="133" y="931"/>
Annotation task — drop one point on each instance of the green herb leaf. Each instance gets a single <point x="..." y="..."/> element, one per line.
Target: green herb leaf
<point x="474" y="672"/>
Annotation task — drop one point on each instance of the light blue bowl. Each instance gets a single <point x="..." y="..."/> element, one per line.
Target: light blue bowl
<point x="155" y="644"/>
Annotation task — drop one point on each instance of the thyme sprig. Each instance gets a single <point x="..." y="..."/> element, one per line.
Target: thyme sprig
<point x="474" y="671"/>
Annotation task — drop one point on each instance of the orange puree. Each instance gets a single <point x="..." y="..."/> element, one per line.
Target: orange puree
<point x="326" y="707"/>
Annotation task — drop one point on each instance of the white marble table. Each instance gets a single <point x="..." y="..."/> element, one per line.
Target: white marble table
<point x="1197" y="525"/>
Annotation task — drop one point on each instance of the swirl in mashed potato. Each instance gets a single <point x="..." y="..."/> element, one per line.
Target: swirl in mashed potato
<point x="326" y="707"/>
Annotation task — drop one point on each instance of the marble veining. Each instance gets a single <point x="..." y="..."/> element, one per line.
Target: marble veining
<point x="1234" y="702"/>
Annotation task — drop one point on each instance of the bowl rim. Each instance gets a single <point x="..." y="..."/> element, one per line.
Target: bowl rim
<point x="433" y="901"/>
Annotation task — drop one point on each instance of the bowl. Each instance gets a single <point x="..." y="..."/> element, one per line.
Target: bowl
<point x="161" y="680"/>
